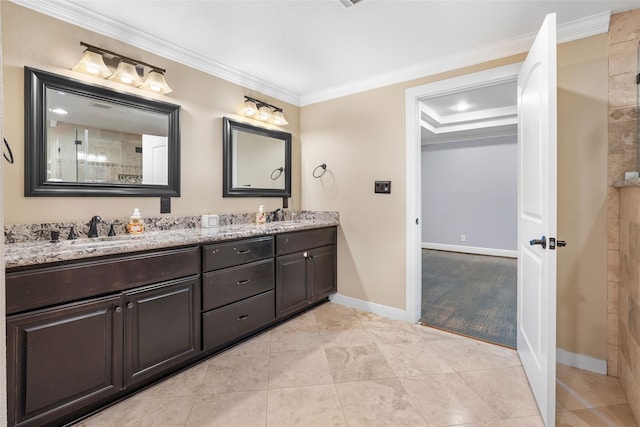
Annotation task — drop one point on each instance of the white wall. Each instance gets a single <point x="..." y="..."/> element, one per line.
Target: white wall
<point x="470" y="188"/>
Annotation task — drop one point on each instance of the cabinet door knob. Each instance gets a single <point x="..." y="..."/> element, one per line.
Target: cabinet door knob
<point x="118" y="309"/>
<point x="129" y="305"/>
<point x="305" y="254"/>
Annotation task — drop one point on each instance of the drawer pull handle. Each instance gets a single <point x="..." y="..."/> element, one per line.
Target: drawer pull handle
<point x="243" y="317"/>
<point x="243" y="252"/>
<point x="130" y="305"/>
<point x="242" y="282"/>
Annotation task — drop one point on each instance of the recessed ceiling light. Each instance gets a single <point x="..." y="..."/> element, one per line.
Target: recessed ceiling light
<point x="461" y="106"/>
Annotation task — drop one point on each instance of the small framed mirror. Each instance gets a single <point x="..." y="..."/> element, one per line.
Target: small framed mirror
<point x="256" y="161"/>
<point x="86" y="140"/>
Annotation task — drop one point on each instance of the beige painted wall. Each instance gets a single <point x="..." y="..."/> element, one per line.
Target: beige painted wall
<point x="361" y="138"/>
<point x="35" y="40"/>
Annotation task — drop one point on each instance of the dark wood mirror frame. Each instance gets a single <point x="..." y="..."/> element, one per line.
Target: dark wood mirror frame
<point x="227" y="185"/>
<point x="36" y="83"/>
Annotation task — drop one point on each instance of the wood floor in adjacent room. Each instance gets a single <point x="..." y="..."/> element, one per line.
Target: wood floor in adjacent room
<point x="473" y="295"/>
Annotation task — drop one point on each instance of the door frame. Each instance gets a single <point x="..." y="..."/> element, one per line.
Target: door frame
<point x="413" y="212"/>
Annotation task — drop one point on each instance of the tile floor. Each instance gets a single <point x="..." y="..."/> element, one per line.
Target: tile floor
<point x="335" y="366"/>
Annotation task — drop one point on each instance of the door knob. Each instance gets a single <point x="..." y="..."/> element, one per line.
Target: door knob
<point x="542" y="242"/>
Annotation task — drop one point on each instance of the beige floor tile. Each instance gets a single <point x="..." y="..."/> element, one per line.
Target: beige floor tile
<point x="309" y="406"/>
<point x="186" y="383"/>
<point x="358" y="363"/>
<point x="579" y="389"/>
<point x="413" y="359"/>
<point x="569" y="419"/>
<point x="304" y="321"/>
<point x="235" y="373"/>
<point x="378" y="403"/>
<point x="391" y="331"/>
<point x="445" y="399"/>
<point x="506" y="390"/>
<point x="239" y="409"/>
<point x="345" y="337"/>
<point x="300" y="338"/>
<point x="139" y="412"/>
<point x="331" y="315"/>
<point x="256" y="345"/>
<point x="492" y="423"/>
<point x="299" y="368"/>
<point x="615" y="415"/>
<point x="469" y="355"/>
<point x="526" y="422"/>
<point x="426" y="333"/>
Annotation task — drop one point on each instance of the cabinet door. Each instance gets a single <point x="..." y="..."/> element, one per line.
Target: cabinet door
<point x="322" y="272"/>
<point x="292" y="292"/>
<point x="162" y="327"/>
<point x="63" y="359"/>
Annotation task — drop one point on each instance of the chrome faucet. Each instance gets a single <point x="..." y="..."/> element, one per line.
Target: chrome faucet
<point x="93" y="226"/>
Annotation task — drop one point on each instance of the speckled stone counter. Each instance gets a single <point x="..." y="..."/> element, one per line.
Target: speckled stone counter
<point x="42" y="252"/>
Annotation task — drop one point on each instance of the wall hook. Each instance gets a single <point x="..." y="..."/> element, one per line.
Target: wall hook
<point x="324" y="170"/>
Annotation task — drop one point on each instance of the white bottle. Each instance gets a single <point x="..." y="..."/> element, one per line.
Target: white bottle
<point x="135" y="225"/>
<point x="261" y="217"/>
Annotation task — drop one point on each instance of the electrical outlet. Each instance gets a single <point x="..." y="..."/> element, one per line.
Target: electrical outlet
<point x="210" y="221"/>
<point x="463" y="237"/>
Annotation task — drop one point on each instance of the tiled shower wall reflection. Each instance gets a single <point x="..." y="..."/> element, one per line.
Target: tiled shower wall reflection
<point x="623" y="309"/>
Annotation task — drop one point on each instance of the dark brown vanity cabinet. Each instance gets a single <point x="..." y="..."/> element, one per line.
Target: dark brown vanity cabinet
<point x="305" y="268"/>
<point x="237" y="290"/>
<point x="63" y="359"/>
<point x="66" y="358"/>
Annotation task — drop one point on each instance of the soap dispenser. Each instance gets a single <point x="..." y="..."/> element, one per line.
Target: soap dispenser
<point x="135" y="224"/>
<point x="261" y="217"/>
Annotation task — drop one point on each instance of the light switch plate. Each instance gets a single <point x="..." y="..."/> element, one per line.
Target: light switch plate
<point x="165" y="205"/>
<point x="383" y="187"/>
<point x="209" y="221"/>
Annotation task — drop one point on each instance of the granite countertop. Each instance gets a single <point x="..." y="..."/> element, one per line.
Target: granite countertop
<point x="42" y="252"/>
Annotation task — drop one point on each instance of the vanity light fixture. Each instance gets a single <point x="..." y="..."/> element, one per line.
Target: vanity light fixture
<point x="96" y="61"/>
<point x="260" y="110"/>
<point x="93" y="64"/>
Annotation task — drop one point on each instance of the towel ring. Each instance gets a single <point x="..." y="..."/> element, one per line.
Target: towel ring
<point x="10" y="157"/>
<point x="280" y="170"/>
<point x="324" y="170"/>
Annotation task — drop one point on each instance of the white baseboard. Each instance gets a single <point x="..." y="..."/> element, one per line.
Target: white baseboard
<point x="581" y="361"/>
<point x="471" y="250"/>
<point x="371" y="307"/>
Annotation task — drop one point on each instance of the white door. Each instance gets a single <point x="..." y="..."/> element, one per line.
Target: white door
<point x="537" y="218"/>
<point x="155" y="166"/>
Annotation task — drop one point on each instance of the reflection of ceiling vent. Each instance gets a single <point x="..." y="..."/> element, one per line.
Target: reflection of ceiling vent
<point x="100" y="105"/>
<point x="349" y="3"/>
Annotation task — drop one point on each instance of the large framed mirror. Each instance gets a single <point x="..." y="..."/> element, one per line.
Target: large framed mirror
<point x="256" y="161"/>
<point x="86" y="140"/>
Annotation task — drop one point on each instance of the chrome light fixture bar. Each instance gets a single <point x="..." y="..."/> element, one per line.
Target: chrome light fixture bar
<point x="128" y="71"/>
<point x="262" y="111"/>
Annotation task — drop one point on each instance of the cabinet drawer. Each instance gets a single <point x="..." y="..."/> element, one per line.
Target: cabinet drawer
<point x="233" y="284"/>
<point x="302" y="240"/>
<point x="222" y="255"/>
<point x="41" y="287"/>
<point x="225" y="324"/>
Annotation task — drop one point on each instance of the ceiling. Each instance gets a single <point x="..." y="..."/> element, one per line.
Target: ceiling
<point x="306" y="51"/>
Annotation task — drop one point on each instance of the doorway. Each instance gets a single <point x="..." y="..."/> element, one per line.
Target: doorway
<point x="469" y="157"/>
<point x="467" y="124"/>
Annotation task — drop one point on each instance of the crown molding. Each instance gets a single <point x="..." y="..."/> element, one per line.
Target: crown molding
<point x="76" y="15"/>
<point x="69" y="12"/>
<point x="574" y="30"/>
